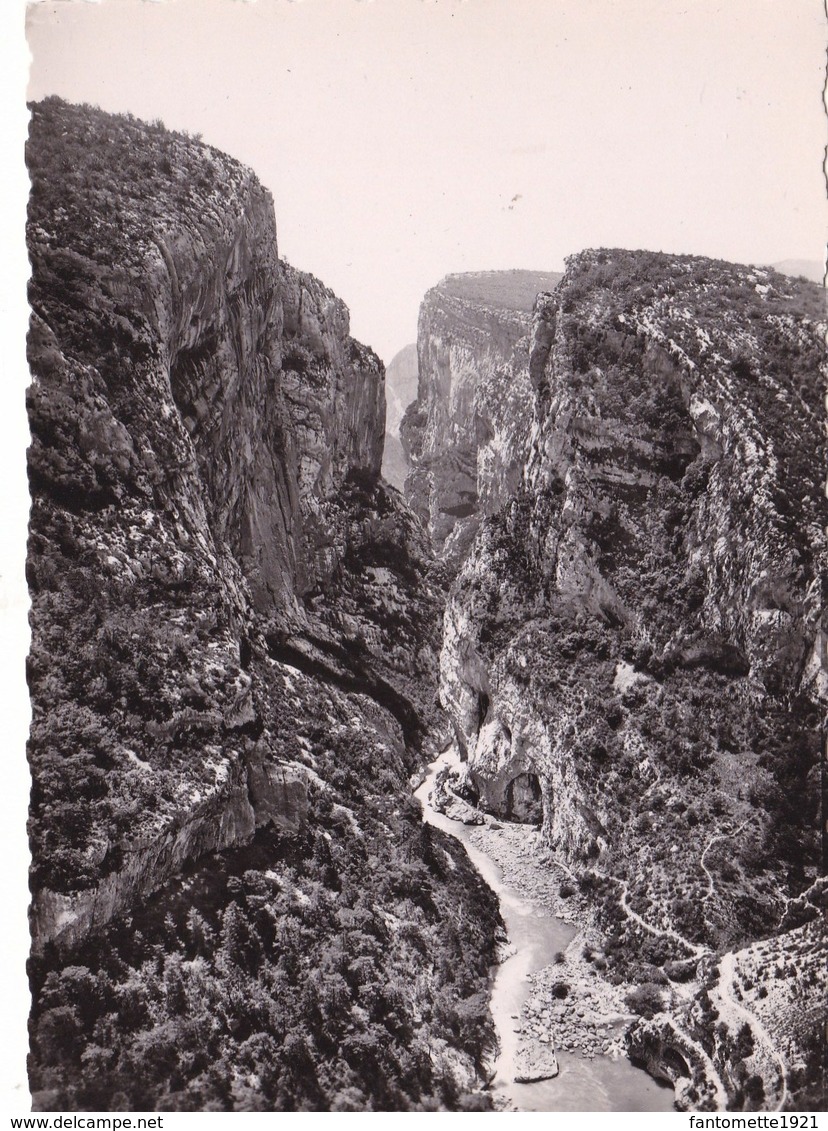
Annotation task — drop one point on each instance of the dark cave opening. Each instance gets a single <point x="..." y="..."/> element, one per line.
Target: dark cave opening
<point x="675" y="1063"/>
<point x="482" y="708"/>
<point x="524" y="799"/>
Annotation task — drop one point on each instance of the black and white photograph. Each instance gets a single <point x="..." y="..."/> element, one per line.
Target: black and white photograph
<point x="424" y="540"/>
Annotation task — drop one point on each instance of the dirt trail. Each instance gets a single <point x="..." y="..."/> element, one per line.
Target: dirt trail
<point x="697" y="950"/>
<point x="728" y="1005"/>
<point x="730" y="1009"/>
<point x="723" y="990"/>
<point x="711" y="883"/>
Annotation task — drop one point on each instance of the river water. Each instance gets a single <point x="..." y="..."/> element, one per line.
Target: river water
<point x="601" y="1084"/>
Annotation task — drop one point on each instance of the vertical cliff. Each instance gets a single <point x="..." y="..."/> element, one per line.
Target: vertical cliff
<point x="401" y="390"/>
<point x="234" y="643"/>
<point x="197" y="407"/>
<point x="634" y="645"/>
<point x="466" y="434"/>
<point x="235" y="637"/>
<point x="668" y="542"/>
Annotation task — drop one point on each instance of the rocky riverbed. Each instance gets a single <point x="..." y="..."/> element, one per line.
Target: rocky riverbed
<point x="570" y="1007"/>
<point x="560" y="1048"/>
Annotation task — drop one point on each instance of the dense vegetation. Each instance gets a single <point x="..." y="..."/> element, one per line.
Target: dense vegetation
<point x="286" y="975"/>
<point x="646" y="608"/>
<point x="99" y="177"/>
<point x="247" y="944"/>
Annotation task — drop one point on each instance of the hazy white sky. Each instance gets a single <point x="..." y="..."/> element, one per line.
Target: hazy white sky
<point x="403" y="139"/>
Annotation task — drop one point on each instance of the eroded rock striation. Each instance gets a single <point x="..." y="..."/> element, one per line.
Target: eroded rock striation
<point x="235" y="637"/>
<point x="466" y="434"/>
<point x="633" y="648"/>
<point x="234" y="643"/>
<point x="197" y="409"/>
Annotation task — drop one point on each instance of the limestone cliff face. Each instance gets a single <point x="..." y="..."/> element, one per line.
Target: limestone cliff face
<point x="634" y="639"/>
<point x="203" y="427"/>
<point x="400" y="391"/>
<point x="465" y="435"/>
<point x="633" y="652"/>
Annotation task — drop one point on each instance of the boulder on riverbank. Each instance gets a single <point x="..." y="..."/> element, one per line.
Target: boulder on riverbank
<point x="457" y="810"/>
<point x="445" y="801"/>
<point x="535" y="1062"/>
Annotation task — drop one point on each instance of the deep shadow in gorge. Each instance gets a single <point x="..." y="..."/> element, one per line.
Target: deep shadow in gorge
<point x="238" y="633"/>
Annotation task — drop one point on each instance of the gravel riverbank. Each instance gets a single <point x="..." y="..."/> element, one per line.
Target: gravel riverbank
<point x="570" y="1007"/>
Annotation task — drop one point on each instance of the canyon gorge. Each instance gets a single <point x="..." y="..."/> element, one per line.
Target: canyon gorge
<point x="589" y="576"/>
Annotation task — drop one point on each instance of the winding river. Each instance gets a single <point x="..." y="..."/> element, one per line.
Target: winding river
<point x="601" y="1084"/>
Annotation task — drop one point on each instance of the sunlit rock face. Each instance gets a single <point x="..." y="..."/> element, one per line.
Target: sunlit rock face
<point x="466" y="434"/>
<point x="637" y="630"/>
<point x="400" y="391"/>
<point x="205" y="458"/>
<point x="634" y="649"/>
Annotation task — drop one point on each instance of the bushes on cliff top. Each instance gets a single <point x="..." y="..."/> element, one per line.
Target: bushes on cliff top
<point x="103" y="178"/>
<point x="645" y="1000"/>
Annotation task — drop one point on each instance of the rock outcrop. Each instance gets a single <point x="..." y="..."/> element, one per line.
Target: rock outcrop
<point x="233" y="667"/>
<point x="400" y="391"/>
<point x="249" y="797"/>
<point x="749" y="1037"/>
<point x="206" y="447"/>
<point x="669" y="533"/>
<point x="235" y="627"/>
<point x="634" y="639"/>
<point x="466" y="434"/>
<point x="534" y="1063"/>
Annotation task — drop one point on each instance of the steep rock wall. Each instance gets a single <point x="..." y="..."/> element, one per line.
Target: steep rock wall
<point x="637" y="637"/>
<point x="637" y="627"/>
<point x="400" y="391"/>
<point x="200" y="417"/>
<point x="465" y="435"/>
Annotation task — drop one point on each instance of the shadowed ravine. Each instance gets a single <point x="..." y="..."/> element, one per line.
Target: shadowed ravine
<point x="535" y="936"/>
<point x="602" y="578"/>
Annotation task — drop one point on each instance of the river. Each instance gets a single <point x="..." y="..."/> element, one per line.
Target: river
<point x="601" y="1084"/>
